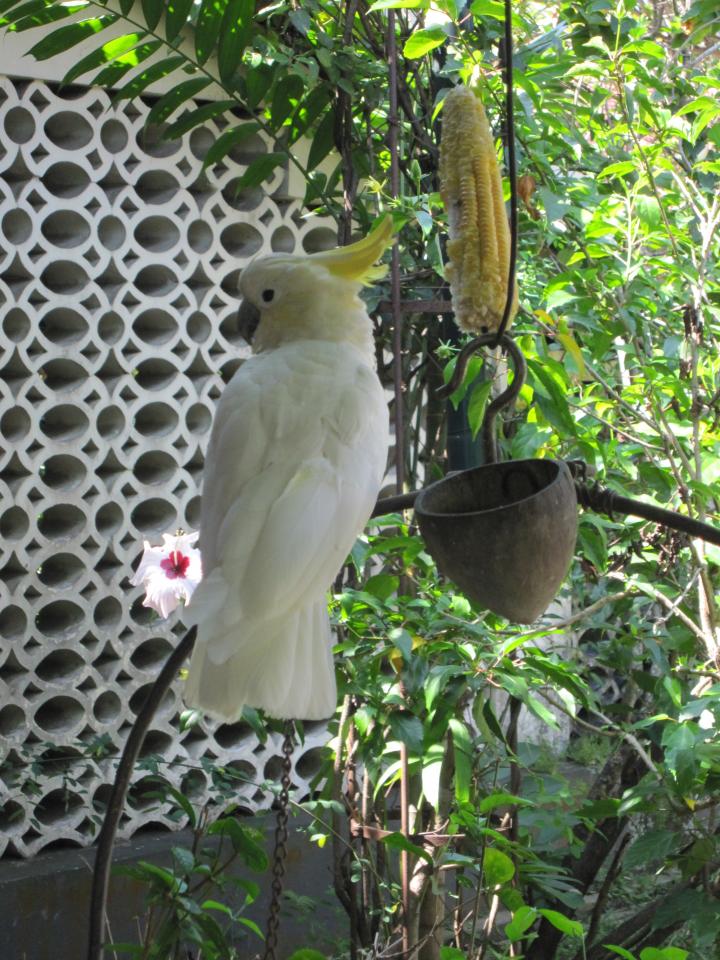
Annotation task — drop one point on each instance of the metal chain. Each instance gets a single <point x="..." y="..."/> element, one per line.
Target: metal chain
<point x="281" y="837"/>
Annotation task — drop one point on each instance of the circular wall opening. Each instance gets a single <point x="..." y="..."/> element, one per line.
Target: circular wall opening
<point x="19" y="125"/>
<point x="63" y="472"/>
<point x="68" y="130"/>
<point x="59" y="715"/>
<point x="63" y="521"/>
<point x="65" y="228"/>
<point x="64" y="422"/>
<point x="63" y="325"/>
<point x="14" y="524"/>
<point x="156" y="420"/>
<point x="154" y="516"/>
<point x="60" y="618"/>
<point x="15" y="423"/>
<point x="61" y="570"/>
<point x="60" y="665"/>
<point x="155" y="467"/>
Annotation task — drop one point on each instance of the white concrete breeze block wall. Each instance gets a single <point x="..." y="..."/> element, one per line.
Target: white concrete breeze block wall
<point x="119" y="261"/>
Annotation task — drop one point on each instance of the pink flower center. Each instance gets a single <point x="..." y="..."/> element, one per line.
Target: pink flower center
<point x="175" y="565"/>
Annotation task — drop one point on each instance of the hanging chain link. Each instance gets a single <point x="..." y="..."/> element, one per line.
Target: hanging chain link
<point x="281" y="837"/>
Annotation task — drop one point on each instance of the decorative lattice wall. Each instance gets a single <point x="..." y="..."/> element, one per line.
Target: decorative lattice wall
<point x="119" y="261"/>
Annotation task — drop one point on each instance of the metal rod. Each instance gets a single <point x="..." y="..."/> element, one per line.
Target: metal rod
<point x="602" y="500"/>
<point x="103" y="857"/>
<point x="393" y="132"/>
<point x="405" y="501"/>
<point x="511" y="164"/>
<point x="508" y="396"/>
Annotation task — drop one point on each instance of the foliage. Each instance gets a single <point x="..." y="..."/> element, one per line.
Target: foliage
<point x="511" y="851"/>
<point x="183" y="911"/>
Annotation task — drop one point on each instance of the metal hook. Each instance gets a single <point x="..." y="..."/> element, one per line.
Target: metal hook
<point x="508" y="396"/>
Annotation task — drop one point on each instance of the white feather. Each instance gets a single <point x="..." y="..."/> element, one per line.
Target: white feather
<point x="296" y="458"/>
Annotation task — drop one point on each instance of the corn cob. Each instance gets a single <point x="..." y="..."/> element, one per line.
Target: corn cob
<point x="478" y="247"/>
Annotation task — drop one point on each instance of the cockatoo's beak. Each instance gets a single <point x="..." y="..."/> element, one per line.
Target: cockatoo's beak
<point x="357" y="261"/>
<point x="248" y="320"/>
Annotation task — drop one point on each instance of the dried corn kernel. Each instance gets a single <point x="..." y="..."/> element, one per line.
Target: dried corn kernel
<point x="479" y="234"/>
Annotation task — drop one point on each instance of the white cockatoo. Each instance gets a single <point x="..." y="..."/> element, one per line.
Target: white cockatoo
<point x="296" y="459"/>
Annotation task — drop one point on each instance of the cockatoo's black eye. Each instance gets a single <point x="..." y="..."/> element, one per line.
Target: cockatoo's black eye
<point x="267" y="295"/>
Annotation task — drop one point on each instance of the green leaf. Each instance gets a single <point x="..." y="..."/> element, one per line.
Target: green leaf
<point x="488" y="8"/>
<point x="308" y="111"/>
<point x="51" y="14"/>
<point x="408" y="729"/>
<point x="64" y="38"/>
<point x="152" y="74"/>
<point x="562" y="923"/>
<point x="235" y="35"/>
<point x="498" y="868"/>
<point x="215" y="905"/>
<point x="184" y="858"/>
<point x="323" y="141"/>
<point x="432" y="762"/>
<point x="699" y="104"/>
<point x="251" y="925"/>
<point x="541" y="711"/>
<point x="382" y="585"/>
<point x="452" y="953"/>
<point x="502" y="800"/>
<point x="620" y="951"/>
<point x="243" y="842"/>
<point x="182" y="801"/>
<point x="663" y="953"/>
<point x="175" y="98"/>
<point x="477" y="404"/>
<point x="257" y="83"/>
<point x="285" y="99"/>
<point x="225" y="143"/>
<point x="207" y="28"/>
<point x="423" y="41"/>
<point x="523" y="918"/>
<point x="176" y="17"/>
<point x="463" y="751"/>
<point x="107" y="52"/>
<point x="619" y="169"/>
<point x="396" y="841"/>
<point x="555" y="406"/>
<point x="152" y="11"/>
<point x="193" y="118"/>
<point x="259" y="170"/>
<point x="17" y="13"/>
<point x="399" y="5"/>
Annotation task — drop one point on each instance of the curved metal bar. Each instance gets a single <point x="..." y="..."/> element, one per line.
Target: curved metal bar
<point x="106" y="839"/>
<point x="511" y="168"/>
<point x="403" y="501"/>
<point x="500" y="402"/>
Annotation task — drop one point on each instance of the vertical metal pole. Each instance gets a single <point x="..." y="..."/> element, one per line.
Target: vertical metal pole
<point x="393" y="137"/>
<point x="393" y="131"/>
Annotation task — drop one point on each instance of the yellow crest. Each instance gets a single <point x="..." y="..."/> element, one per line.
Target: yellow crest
<point x="357" y="260"/>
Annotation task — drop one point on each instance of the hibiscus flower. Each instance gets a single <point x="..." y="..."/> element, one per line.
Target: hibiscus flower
<point x="170" y="572"/>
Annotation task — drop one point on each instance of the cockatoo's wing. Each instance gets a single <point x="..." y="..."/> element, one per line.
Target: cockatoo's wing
<point x="296" y="459"/>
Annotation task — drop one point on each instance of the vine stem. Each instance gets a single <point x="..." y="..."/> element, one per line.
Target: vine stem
<point x="106" y="839"/>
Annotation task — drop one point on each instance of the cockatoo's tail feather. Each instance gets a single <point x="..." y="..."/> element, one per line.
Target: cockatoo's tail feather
<point x="357" y="260"/>
<point x="287" y="669"/>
